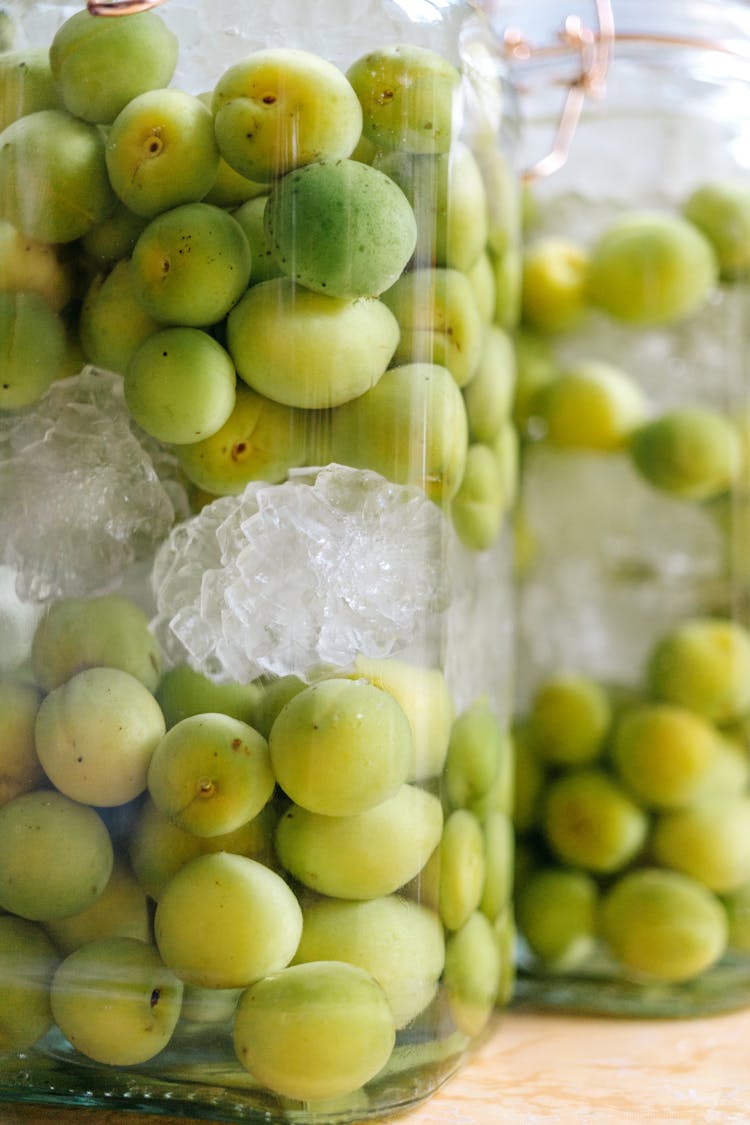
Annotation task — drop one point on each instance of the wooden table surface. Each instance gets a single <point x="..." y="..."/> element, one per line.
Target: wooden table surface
<point x="539" y="1069"/>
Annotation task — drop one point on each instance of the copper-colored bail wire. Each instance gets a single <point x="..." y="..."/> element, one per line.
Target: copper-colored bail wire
<point x="120" y="7"/>
<point x="595" y="51"/>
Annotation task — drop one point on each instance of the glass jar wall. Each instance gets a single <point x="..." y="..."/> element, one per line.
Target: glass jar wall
<point x="256" y="275"/>
<point x="632" y="802"/>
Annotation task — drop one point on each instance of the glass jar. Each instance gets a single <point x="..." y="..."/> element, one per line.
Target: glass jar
<point x="256" y="274"/>
<point x="632" y="801"/>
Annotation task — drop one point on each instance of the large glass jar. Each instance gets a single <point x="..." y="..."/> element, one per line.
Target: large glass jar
<point x="257" y="270"/>
<point x="632" y="800"/>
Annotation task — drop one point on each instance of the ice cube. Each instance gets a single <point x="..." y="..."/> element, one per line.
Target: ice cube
<point x="81" y="499"/>
<point x="286" y="577"/>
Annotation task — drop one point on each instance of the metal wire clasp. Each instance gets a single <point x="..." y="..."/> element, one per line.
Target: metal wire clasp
<point x="120" y="7"/>
<point x="594" y="49"/>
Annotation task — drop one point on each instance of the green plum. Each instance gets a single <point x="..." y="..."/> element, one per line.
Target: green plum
<point x="33" y="267"/>
<point x="180" y="385"/>
<point x="28" y="960"/>
<point x="341" y="746"/>
<point x="591" y="822"/>
<point x="439" y="321"/>
<point x="106" y="631"/>
<point x="408" y="95"/>
<point x="121" y="910"/>
<point x="112" y="323"/>
<point x="282" y="108"/>
<point x="692" y="452"/>
<point x="95" y="736"/>
<point x="250" y="922"/>
<point x="210" y="774"/>
<point x="462" y="868"/>
<point x="569" y="719"/>
<point x="53" y="176"/>
<point x="553" y="285"/>
<point x="472" y="974"/>
<point x="490" y="393"/>
<point x="334" y="855"/>
<point x="557" y="915"/>
<point x="161" y="151"/>
<point x="191" y="265"/>
<point x="411" y="427"/>
<point x="721" y="210"/>
<point x="482" y="280"/>
<point x="182" y="692"/>
<point x="101" y="64"/>
<point x="341" y="228"/>
<point x="113" y="238"/>
<point x="477" y="743"/>
<point x="314" y="1031"/>
<point x="20" y="768"/>
<point x="306" y="349"/>
<point x="260" y="440"/>
<point x="55" y="855"/>
<point x="704" y="664"/>
<point x="115" y="1001"/>
<point x="593" y="405"/>
<point x="708" y="840"/>
<point x="499" y="856"/>
<point x="398" y="942"/>
<point x="478" y="508"/>
<point x="32" y="348"/>
<point x="251" y="217"/>
<point x="651" y="268"/>
<point x="26" y="84"/>
<point x="662" y="925"/>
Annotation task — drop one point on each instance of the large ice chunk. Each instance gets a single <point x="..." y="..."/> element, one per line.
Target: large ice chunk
<point x="286" y="577"/>
<point x="83" y="492"/>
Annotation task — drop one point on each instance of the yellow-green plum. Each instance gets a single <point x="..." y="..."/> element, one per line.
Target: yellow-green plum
<point x="704" y="665"/>
<point x="157" y="848"/>
<point x="275" y="693"/>
<point x="426" y="700"/>
<point x="478" y="508"/>
<point x="341" y="746"/>
<point x="650" y="268"/>
<point x="183" y="691"/>
<point x="209" y="1005"/>
<point x="557" y="915"/>
<point x="448" y="196"/>
<point x="113" y="238"/>
<point x="737" y="906"/>
<point x="121" y="910"/>
<point x="529" y="776"/>
<point x="665" y="754"/>
<point x="490" y="393"/>
<point x="482" y="280"/>
<point x="28" y="960"/>
<point x="594" y="405"/>
<point x="439" y="321"/>
<point x="508" y="276"/>
<point x="33" y="267"/>
<point x="101" y="64"/>
<point x="55" y="855"/>
<point x="53" y="176"/>
<point x="20" y="768"/>
<point x="109" y="631"/>
<point x="499" y="856"/>
<point x="721" y="210"/>
<point x="341" y="228"/>
<point x="95" y="735"/>
<point x="306" y="349"/>
<point x="569" y="719"/>
<point x="398" y="942"/>
<point x="499" y="795"/>
<point x="250" y="922"/>
<point x="411" y="427"/>
<point x="507" y="449"/>
<point x="663" y="925"/>
<point x="180" y="385"/>
<point x="334" y="855"/>
<point x="691" y="451"/>
<point x="112" y="323"/>
<point x="211" y="774"/>
<point x="251" y="217"/>
<point x="472" y="973"/>
<point x="709" y="840"/>
<point x="229" y="188"/>
<point x="26" y="84"/>
<point x="408" y="96"/>
<point x="161" y="151"/>
<point x="32" y="348"/>
<point x="314" y="1031"/>
<point x="115" y="1001"/>
<point x="477" y="743"/>
<point x="191" y="265"/>
<point x="260" y="440"/>
<point x="536" y="367"/>
<point x="282" y="108"/>
<point x="591" y="822"/>
<point x="553" y="286"/>
<point x="462" y="868"/>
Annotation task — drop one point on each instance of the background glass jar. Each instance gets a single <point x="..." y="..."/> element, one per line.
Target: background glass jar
<point x="632" y="802"/>
<point x="256" y="464"/>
